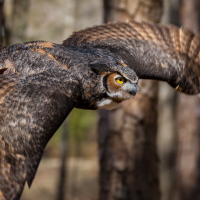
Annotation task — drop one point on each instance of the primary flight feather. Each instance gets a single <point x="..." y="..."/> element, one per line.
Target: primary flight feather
<point x="41" y="82"/>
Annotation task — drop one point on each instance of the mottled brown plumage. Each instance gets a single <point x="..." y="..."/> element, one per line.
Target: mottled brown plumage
<point x="41" y="82"/>
<point x="153" y="51"/>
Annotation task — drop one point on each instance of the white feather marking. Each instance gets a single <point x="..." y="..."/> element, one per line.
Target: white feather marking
<point x="107" y="103"/>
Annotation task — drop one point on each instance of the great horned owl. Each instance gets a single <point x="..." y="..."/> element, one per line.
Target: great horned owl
<point x="41" y="82"/>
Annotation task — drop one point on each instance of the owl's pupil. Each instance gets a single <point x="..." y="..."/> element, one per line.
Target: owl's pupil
<point x="120" y="80"/>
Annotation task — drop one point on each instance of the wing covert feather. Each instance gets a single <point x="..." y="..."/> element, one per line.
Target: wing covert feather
<point x="153" y="51"/>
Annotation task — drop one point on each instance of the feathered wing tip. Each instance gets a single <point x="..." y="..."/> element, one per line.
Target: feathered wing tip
<point x="166" y="53"/>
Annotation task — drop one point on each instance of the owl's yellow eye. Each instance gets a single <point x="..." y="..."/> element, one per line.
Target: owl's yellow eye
<point x="120" y="80"/>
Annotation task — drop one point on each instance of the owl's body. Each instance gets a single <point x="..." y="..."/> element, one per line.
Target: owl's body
<point x="53" y="65"/>
<point x="41" y="82"/>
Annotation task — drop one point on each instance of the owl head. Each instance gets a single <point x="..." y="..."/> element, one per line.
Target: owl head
<point x="119" y="83"/>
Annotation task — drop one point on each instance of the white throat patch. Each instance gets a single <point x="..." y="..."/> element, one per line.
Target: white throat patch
<point x="109" y="104"/>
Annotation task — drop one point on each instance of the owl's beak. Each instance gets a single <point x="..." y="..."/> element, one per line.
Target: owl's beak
<point x="135" y="88"/>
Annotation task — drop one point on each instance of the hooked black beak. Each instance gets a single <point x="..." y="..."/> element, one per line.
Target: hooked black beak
<point x="134" y="90"/>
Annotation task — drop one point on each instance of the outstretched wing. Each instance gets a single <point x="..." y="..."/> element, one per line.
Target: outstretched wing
<point x="33" y="104"/>
<point x="153" y="51"/>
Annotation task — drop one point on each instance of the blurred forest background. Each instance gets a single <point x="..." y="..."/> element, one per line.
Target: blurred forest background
<point x="169" y="167"/>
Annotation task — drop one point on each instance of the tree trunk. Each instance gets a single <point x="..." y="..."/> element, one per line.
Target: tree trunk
<point x="188" y="125"/>
<point x="19" y="21"/>
<point x="127" y="135"/>
<point x="62" y="182"/>
<point x="1" y="22"/>
<point x="167" y="115"/>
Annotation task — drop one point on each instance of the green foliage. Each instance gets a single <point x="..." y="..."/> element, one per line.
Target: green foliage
<point x="80" y="130"/>
<point x="80" y="121"/>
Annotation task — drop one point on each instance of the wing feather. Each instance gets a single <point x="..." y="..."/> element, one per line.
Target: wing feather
<point x="30" y="113"/>
<point x="153" y="51"/>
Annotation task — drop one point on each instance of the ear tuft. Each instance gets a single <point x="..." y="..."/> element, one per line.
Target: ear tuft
<point x="100" y="68"/>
